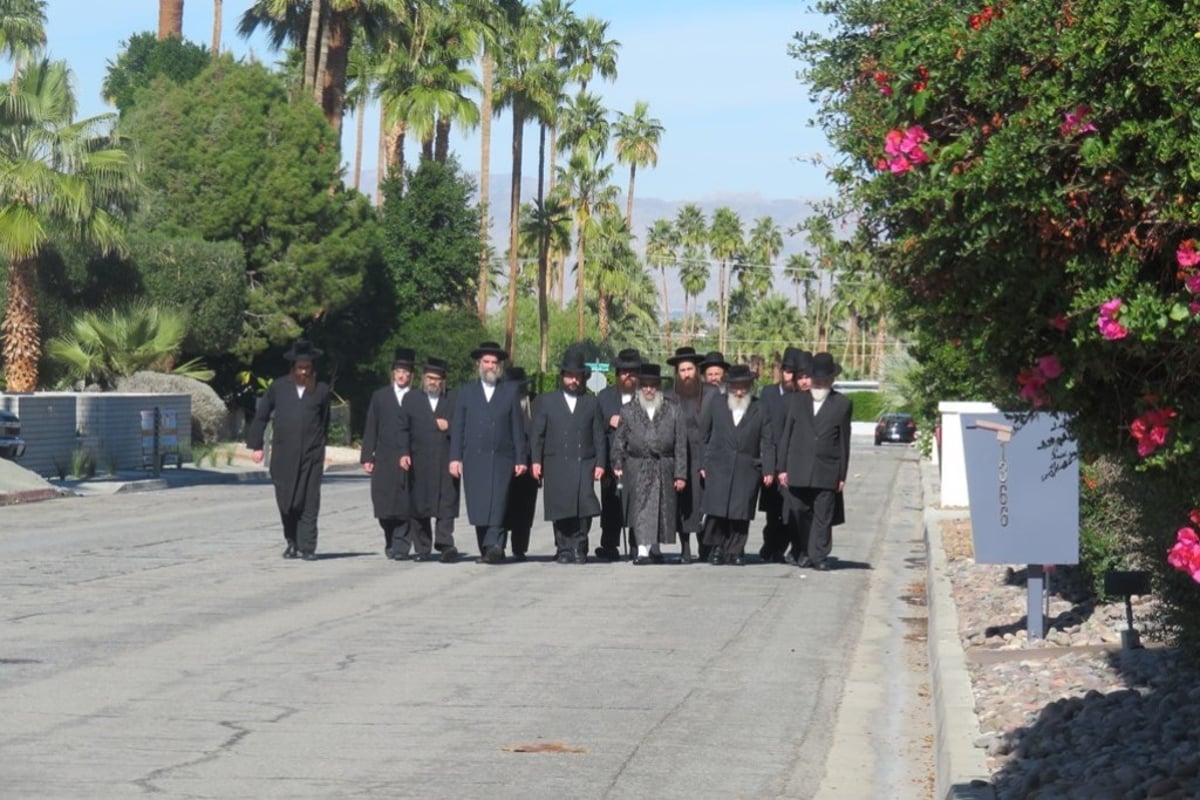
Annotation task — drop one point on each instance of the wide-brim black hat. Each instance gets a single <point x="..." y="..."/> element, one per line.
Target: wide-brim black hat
<point x="574" y="364"/>
<point x="714" y="359"/>
<point x="797" y="361"/>
<point x="435" y="365"/>
<point x="684" y="354"/>
<point x="628" y="359"/>
<point x="739" y="373"/>
<point x="404" y="357"/>
<point x="649" y="372"/>
<point x="489" y="349"/>
<point x="516" y="375"/>
<point x="302" y="350"/>
<point x="824" y="367"/>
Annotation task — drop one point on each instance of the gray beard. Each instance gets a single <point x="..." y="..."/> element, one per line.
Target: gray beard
<point x="650" y="405"/>
<point x="433" y="395"/>
<point x="736" y="403"/>
<point x="488" y="376"/>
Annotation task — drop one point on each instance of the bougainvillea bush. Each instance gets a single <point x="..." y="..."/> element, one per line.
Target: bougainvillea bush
<point x="1028" y="174"/>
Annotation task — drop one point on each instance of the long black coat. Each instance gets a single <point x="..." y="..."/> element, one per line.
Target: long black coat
<point x="385" y="439"/>
<point x="489" y="440"/>
<point x="434" y="489"/>
<point x="609" y="400"/>
<point x="653" y="454"/>
<point x="691" y="499"/>
<point x="774" y="403"/>
<point x="523" y="491"/>
<point x="814" y="451"/>
<point x="734" y="458"/>
<point x="569" y="446"/>
<point x="301" y="425"/>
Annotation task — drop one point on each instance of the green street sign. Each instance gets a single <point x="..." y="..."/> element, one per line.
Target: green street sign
<point x="597" y="366"/>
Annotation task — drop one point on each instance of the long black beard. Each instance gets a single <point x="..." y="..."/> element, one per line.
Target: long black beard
<point x="689" y="388"/>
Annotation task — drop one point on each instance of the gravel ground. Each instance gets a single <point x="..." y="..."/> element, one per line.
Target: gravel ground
<point x="1072" y="715"/>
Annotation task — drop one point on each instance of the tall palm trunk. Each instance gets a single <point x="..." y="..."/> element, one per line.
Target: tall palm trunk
<point x="487" y="69"/>
<point x="629" y="199"/>
<point x="559" y="258"/>
<point x="514" y="227"/>
<point x="602" y="313"/>
<point x="22" y="335"/>
<point x="721" y="307"/>
<point x="880" y="350"/>
<point x="334" y="62"/>
<point x="359" y="124"/>
<point x="427" y="148"/>
<point x="441" y="142"/>
<point x="849" y="352"/>
<point x="170" y="19"/>
<point x="216" y="42"/>
<point x="543" y="301"/>
<point x="312" y="44"/>
<point x="579" y="247"/>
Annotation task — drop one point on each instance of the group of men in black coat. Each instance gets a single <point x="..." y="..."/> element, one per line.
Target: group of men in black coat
<point x="698" y="459"/>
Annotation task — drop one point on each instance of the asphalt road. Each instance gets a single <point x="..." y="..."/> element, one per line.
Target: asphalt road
<point x="156" y="643"/>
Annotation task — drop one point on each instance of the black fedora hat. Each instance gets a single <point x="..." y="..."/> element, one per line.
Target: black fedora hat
<point x="434" y="365"/>
<point x="489" y="349"/>
<point x="824" y="367"/>
<point x="739" y="373"/>
<point x="302" y="350"/>
<point x="516" y="375"/>
<point x="715" y="358"/>
<point x="574" y="363"/>
<point x="628" y="358"/>
<point x="684" y="354"/>
<point x="404" y="357"/>
<point x="649" y="373"/>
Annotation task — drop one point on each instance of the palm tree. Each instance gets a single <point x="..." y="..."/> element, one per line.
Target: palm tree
<point x="725" y="243"/>
<point x="361" y="72"/>
<point x="755" y="269"/>
<point x="22" y="30"/>
<point x="546" y="225"/>
<point x="611" y="261"/>
<point x="768" y="326"/>
<point x="216" y="39"/>
<point x="692" y="229"/>
<point x="638" y="135"/>
<point x="662" y="251"/>
<point x="584" y="126"/>
<point x="588" y="54"/>
<point x="170" y="19"/>
<point x="587" y="184"/>
<point x="799" y="270"/>
<point x="56" y="175"/>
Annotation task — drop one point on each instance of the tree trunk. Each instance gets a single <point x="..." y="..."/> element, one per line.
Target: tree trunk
<point x="333" y="71"/>
<point x="666" y="308"/>
<point x="880" y="353"/>
<point x="579" y="282"/>
<point x="170" y="23"/>
<point x="312" y="43"/>
<point x="560" y="259"/>
<point x="382" y="160"/>
<point x="487" y="68"/>
<point x="22" y="337"/>
<point x="629" y="199"/>
<point x="359" y="124"/>
<point x="427" y="148"/>
<point x="848" y="352"/>
<point x="216" y="44"/>
<point x="543" y="301"/>
<point x="721" y="308"/>
<point x="602" y="312"/>
<point x="441" y="144"/>
<point x="514" y="226"/>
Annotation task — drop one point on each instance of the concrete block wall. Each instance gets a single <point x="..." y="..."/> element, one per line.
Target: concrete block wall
<point x="108" y="425"/>
<point x="47" y="426"/>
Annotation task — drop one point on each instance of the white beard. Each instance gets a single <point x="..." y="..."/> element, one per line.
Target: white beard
<point x="653" y="404"/>
<point x="736" y="403"/>
<point x="488" y="376"/>
<point x="819" y="395"/>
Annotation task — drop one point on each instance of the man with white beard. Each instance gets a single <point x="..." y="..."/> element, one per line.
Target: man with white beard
<point x="650" y="458"/>
<point x="487" y="447"/>
<point x="738" y="457"/>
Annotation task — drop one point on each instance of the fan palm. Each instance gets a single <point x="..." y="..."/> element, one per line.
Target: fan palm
<point x="725" y="242"/>
<point x="662" y="249"/>
<point x="56" y="175"/>
<point x="638" y="135"/>
<point x="591" y="194"/>
<point x="546" y="225"/>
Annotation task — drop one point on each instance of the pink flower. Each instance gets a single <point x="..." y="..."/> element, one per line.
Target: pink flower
<point x="1059" y="322"/>
<point x="1186" y="255"/>
<point x="1075" y="122"/>
<point x="1192" y="282"/>
<point x="885" y="90"/>
<point x="899" y="165"/>
<point x="917" y="155"/>
<point x="892" y="142"/>
<point x="1033" y="380"/>
<point x="1184" y="555"/>
<point x="1049" y="367"/>
<point x="904" y="150"/>
<point x="1194" y="308"/>
<point x="1107" y="321"/>
<point x="1151" y="429"/>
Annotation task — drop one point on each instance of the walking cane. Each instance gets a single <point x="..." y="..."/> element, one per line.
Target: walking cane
<point x="624" y="527"/>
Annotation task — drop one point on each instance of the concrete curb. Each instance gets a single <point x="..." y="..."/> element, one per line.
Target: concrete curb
<point x="961" y="767"/>
<point x="30" y="496"/>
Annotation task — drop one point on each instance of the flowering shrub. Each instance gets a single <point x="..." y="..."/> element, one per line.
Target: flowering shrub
<point x="1184" y="555"/>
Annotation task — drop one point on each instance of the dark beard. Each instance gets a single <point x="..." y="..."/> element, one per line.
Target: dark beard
<point x="688" y="388"/>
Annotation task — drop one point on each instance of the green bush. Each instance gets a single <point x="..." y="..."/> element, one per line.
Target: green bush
<point x="867" y="405"/>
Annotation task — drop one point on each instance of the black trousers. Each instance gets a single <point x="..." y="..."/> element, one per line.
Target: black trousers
<point x="612" y="514"/>
<point x="812" y="521"/>
<point x="489" y="536"/>
<point x="729" y="535"/>
<point x="571" y="535"/>
<point x="395" y="534"/>
<point x="427" y="531"/>
<point x="776" y="536"/>
<point x="299" y="507"/>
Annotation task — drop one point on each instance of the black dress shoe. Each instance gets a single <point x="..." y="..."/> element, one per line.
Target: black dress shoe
<point x="804" y="563"/>
<point x="516" y="556"/>
<point x="419" y="557"/>
<point x="791" y="560"/>
<point x="658" y="558"/>
<point x="736" y="561"/>
<point x="823" y="565"/>
<point x="639" y="560"/>
<point x="291" y="551"/>
<point x="608" y="554"/>
<point x="398" y="556"/>
<point x="493" y="555"/>
<point x="715" y="558"/>
<point x="449" y="555"/>
<point x="308" y="555"/>
<point x="581" y="556"/>
<point x="685" y="558"/>
<point x="563" y="558"/>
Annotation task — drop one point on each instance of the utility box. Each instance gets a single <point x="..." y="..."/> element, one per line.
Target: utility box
<point x="1023" y="487"/>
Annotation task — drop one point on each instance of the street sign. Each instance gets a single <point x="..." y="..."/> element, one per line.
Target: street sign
<point x="597" y="366"/>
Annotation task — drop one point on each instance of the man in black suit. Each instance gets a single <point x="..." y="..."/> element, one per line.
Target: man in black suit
<point x="299" y="406"/>
<point x="523" y="491"/>
<point x="776" y="534"/>
<point x="434" y="489"/>
<point x="569" y="448"/>
<point x="384" y="457"/>
<point x="487" y="447"/>
<point x="814" y="459"/>
<point x="713" y="369"/>
<point x="690" y="394"/>
<point x="613" y="502"/>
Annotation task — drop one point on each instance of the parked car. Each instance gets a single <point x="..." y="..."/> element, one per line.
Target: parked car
<point x="894" y="427"/>
<point x="11" y="444"/>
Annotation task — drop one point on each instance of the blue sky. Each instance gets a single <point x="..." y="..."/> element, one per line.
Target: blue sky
<point x="715" y="72"/>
